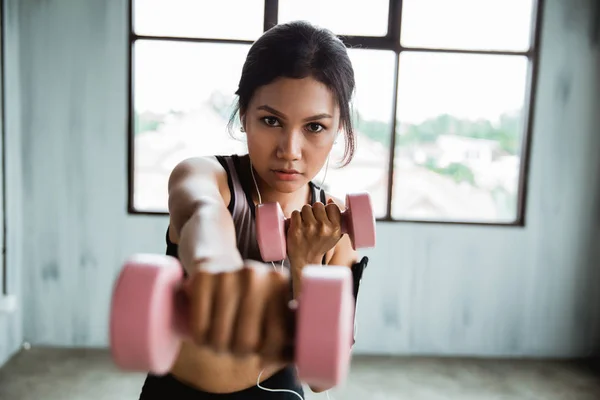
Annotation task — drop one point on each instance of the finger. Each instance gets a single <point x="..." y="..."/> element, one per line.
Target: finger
<point x="307" y="215"/>
<point x="249" y="327"/>
<point x="276" y="333"/>
<point x="200" y="294"/>
<point x="226" y="303"/>
<point x="334" y="214"/>
<point x="320" y="213"/>
<point x="295" y="219"/>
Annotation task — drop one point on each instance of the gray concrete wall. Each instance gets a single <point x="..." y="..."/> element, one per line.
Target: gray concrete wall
<point x="11" y="324"/>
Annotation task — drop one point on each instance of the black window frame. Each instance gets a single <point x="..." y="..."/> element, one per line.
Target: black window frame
<point x="390" y="42"/>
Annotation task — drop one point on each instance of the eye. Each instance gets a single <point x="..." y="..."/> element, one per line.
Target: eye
<point x="315" y="128"/>
<point x="270" y="121"/>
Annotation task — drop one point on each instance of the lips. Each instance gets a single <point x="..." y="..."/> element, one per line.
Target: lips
<point x="286" y="174"/>
<point x="287" y="171"/>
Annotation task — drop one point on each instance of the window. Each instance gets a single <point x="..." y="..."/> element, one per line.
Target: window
<point x="442" y="108"/>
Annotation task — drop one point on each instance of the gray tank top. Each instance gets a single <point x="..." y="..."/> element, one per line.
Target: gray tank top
<point x="242" y="208"/>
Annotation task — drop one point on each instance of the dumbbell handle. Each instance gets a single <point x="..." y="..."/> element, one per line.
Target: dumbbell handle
<point x="345" y="216"/>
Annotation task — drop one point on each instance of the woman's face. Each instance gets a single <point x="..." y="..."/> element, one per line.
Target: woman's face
<point x="290" y="125"/>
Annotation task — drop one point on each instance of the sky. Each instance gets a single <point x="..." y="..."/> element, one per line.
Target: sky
<point x="177" y="75"/>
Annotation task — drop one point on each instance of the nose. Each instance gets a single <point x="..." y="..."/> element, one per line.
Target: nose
<point x="290" y="145"/>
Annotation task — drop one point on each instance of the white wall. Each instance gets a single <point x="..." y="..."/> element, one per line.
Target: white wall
<point x="429" y="289"/>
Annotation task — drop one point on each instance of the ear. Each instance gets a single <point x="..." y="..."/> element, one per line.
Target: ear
<point x="243" y="119"/>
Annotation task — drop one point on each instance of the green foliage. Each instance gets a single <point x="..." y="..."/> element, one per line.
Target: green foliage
<point x="458" y="172"/>
<point x="507" y="132"/>
<point x="146" y="123"/>
<point x="377" y="131"/>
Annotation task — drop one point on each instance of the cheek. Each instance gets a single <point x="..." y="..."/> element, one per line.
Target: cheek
<point x="323" y="142"/>
<point x="259" y="142"/>
<point x="318" y="149"/>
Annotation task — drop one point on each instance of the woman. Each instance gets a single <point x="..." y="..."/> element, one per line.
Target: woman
<point x="294" y="96"/>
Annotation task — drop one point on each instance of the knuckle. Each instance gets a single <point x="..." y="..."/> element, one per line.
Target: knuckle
<point x="333" y="210"/>
<point x="246" y="344"/>
<point x="323" y="230"/>
<point x="247" y="277"/>
<point x="198" y="333"/>
<point x="199" y="279"/>
<point x="224" y="284"/>
<point x="218" y="342"/>
<point x="273" y="276"/>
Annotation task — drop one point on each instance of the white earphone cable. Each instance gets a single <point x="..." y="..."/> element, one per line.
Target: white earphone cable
<point x="281" y="269"/>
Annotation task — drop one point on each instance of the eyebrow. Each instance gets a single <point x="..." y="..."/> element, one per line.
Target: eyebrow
<point x="282" y="115"/>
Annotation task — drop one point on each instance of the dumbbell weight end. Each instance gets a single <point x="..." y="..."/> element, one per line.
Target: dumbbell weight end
<point x="147" y="321"/>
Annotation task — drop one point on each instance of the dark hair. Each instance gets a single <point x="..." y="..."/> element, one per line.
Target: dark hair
<point x="298" y="50"/>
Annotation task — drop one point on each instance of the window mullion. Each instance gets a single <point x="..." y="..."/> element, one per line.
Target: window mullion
<point x="271" y="14"/>
<point x="390" y="186"/>
<point x="394" y="20"/>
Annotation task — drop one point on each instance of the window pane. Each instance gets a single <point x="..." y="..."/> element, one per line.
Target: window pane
<point x="341" y="17"/>
<point x="182" y="104"/>
<point x="223" y="19"/>
<point x="467" y="24"/>
<point x="368" y="171"/>
<point x="459" y="137"/>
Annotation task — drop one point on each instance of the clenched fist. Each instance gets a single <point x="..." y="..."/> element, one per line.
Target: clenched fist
<point x="313" y="231"/>
<point x="245" y="311"/>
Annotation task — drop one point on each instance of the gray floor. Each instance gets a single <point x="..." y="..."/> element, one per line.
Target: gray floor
<point x="53" y="374"/>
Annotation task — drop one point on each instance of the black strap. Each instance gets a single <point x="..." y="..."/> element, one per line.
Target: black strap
<point x="357" y="274"/>
<point x="324" y="201"/>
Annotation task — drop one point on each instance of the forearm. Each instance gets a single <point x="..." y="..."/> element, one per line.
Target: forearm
<point x="207" y="239"/>
<point x="296" y="266"/>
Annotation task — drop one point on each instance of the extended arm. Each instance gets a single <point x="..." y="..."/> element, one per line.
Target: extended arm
<point x="200" y="221"/>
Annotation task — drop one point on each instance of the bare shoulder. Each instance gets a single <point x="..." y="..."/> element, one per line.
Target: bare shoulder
<point x="196" y="167"/>
<point x="199" y="172"/>
<point x="193" y="180"/>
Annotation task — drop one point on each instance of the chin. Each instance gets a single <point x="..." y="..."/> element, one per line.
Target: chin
<point x="287" y="187"/>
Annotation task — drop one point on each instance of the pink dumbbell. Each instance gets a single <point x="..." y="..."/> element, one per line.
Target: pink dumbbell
<point x="271" y="226"/>
<point x="148" y="322"/>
